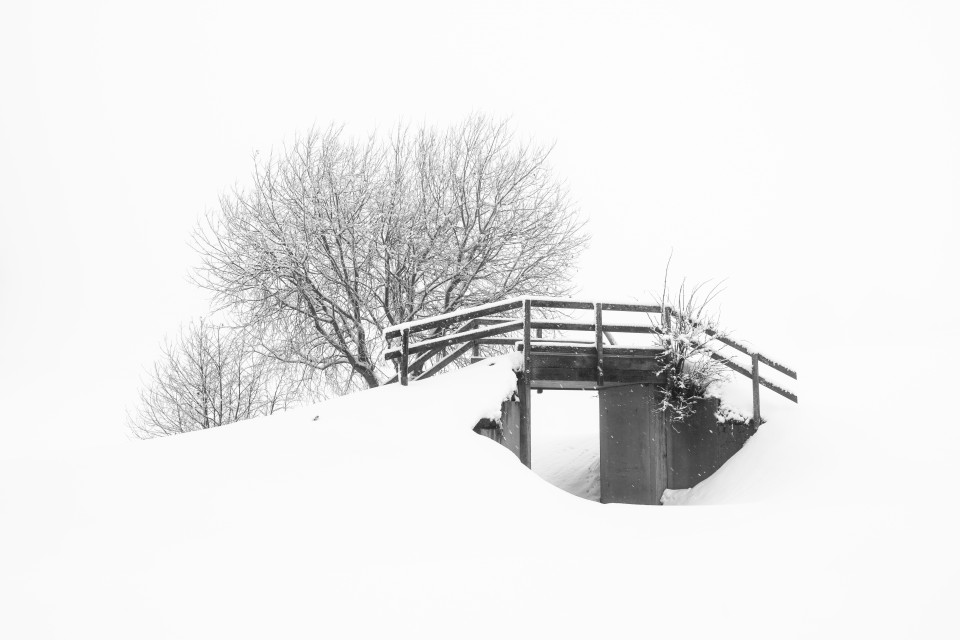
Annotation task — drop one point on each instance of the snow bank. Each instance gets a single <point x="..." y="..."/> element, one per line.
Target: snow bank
<point x="382" y="515"/>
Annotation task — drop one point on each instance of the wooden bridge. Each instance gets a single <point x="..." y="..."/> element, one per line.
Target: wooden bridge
<point x="597" y="363"/>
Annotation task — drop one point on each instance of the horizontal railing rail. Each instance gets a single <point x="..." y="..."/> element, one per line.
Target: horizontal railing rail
<point x="482" y="311"/>
<point x="486" y="324"/>
<point x="454" y="338"/>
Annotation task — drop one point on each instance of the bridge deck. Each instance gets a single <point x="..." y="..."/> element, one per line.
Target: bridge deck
<point x="576" y="367"/>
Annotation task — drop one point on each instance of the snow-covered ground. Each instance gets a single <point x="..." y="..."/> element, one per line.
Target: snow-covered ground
<point x="382" y="515"/>
<point x="566" y="441"/>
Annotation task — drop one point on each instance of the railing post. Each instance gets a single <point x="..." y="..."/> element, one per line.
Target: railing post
<point x="404" y="355"/>
<point x="539" y="336"/>
<point x="665" y="317"/>
<point x="526" y="456"/>
<point x="598" y="332"/>
<point x="756" y="389"/>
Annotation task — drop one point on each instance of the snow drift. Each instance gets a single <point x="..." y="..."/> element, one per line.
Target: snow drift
<point x="382" y="515"/>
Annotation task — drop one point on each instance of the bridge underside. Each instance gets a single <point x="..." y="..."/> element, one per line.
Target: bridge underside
<point x="641" y="452"/>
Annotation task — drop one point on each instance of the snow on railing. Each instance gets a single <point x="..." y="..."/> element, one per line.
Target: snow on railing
<point x="480" y="325"/>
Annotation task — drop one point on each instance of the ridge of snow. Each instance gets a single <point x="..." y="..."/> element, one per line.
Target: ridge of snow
<point x="381" y="514"/>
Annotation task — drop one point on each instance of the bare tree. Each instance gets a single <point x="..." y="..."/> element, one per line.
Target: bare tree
<point x="210" y="376"/>
<point x="336" y="239"/>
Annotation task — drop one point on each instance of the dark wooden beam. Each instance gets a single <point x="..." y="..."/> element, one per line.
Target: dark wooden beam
<point x="636" y="308"/>
<point x="404" y="355"/>
<point x="589" y="361"/>
<point x="450" y="318"/>
<point x="560" y="325"/>
<point x="567" y="374"/>
<point x="643" y="352"/>
<point x="422" y="360"/>
<point x="598" y="339"/>
<point x="526" y="452"/>
<point x="755" y="366"/>
<point x="628" y="328"/>
<point x="560" y="304"/>
<point x="450" y="358"/>
<point x="454" y="338"/>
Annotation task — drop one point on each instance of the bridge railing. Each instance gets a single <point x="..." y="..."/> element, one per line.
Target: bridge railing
<point x="469" y="328"/>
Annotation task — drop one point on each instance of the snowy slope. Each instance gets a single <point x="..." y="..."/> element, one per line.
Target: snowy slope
<point x="382" y="515"/>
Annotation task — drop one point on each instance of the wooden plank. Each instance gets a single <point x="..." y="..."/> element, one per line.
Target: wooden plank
<point x="454" y="338"/>
<point x="787" y="371"/>
<point x="526" y="451"/>
<point x="450" y="358"/>
<point x="633" y="377"/>
<point x="482" y="322"/>
<point x="559" y="361"/>
<point x="560" y="325"/>
<point x="755" y="363"/>
<point x="778" y="389"/>
<point x="643" y="352"/>
<point x="565" y="385"/>
<point x="598" y="338"/>
<point x="628" y="328"/>
<point x="636" y="308"/>
<point x="567" y="374"/>
<point x="579" y="385"/>
<point x="589" y="361"/>
<point x="419" y="362"/>
<point x="518" y="342"/>
<point x="539" y="337"/>
<point x="560" y="304"/>
<point x="450" y="318"/>
<point x="526" y="337"/>
<point x="404" y="355"/>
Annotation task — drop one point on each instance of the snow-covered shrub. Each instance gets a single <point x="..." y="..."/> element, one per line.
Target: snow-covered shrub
<point x="687" y="334"/>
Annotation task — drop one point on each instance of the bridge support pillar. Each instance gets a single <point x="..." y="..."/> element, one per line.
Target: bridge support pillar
<point x="510" y="426"/>
<point x="525" y="446"/>
<point x="633" y="445"/>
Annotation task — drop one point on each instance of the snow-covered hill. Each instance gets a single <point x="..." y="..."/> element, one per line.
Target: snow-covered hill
<point x="382" y="515"/>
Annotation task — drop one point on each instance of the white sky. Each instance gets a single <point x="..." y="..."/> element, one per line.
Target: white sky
<point x="809" y="154"/>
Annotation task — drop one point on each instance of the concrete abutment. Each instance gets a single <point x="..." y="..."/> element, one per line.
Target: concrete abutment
<point x="641" y="452"/>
